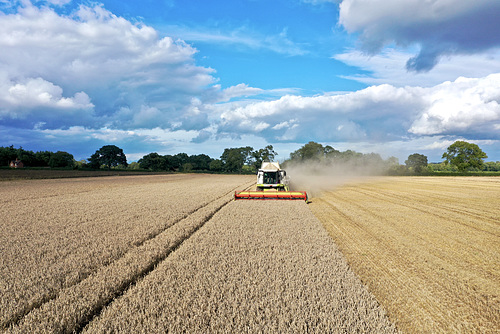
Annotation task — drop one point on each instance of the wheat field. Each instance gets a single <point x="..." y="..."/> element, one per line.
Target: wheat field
<point x="69" y="246"/>
<point x="175" y="253"/>
<point x="255" y="267"/>
<point x="171" y="253"/>
<point x="427" y="247"/>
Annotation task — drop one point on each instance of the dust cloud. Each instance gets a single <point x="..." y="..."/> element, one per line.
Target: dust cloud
<point x="316" y="177"/>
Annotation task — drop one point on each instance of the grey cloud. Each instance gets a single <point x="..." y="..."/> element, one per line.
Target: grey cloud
<point x="424" y="61"/>
<point x="202" y="137"/>
<point x="194" y="122"/>
<point x="440" y="28"/>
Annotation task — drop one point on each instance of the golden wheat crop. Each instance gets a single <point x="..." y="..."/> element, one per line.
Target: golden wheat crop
<point x="255" y="267"/>
<point x="427" y="247"/>
<point x="69" y="246"/>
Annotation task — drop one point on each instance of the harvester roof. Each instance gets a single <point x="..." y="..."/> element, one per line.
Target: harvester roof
<point x="270" y="166"/>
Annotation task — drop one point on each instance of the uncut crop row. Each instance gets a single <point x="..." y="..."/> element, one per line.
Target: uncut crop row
<point x="70" y="246"/>
<point x="255" y="266"/>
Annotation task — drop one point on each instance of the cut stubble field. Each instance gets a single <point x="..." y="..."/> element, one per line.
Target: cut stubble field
<point x="427" y="247"/>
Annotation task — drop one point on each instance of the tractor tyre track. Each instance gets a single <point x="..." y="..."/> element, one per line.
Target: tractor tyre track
<point x="435" y="204"/>
<point x="71" y="309"/>
<point x="239" y="274"/>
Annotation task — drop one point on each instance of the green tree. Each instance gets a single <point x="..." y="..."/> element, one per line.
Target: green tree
<point x="392" y="166"/>
<point x="61" y="159"/>
<point x="247" y="153"/>
<point x="331" y="153"/>
<point x="216" y="165"/>
<point x="372" y="159"/>
<point x="27" y="157"/>
<point x="441" y="167"/>
<point x="264" y="154"/>
<point x="200" y="162"/>
<point x="492" y="166"/>
<point x="187" y="167"/>
<point x="109" y="156"/>
<point x="464" y="155"/>
<point x="417" y="162"/>
<point x="81" y="164"/>
<point x="233" y="159"/>
<point x="350" y="156"/>
<point x="42" y="158"/>
<point x="310" y="151"/>
<point x="94" y="161"/>
<point x="180" y="159"/>
<point x="7" y="154"/>
<point x="392" y="161"/>
<point x="134" y="165"/>
<point x="171" y="162"/>
<point x="153" y="161"/>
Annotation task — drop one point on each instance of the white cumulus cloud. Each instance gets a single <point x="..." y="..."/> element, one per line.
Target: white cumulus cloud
<point x="239" y="90"/>
<point x="40" y="93"/>
<point x="380" y="113"/>
<point x="93" y="55"/>
<point x="467" y="106"/>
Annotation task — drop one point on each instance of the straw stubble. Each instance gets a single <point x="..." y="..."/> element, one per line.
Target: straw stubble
<point x="427" y="248"/>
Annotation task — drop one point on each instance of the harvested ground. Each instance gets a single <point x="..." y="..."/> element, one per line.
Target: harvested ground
<point x="256" y="266"/>
<point x="427" y="247"/>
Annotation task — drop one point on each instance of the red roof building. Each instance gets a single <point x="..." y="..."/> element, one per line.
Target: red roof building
<point x="16" y="164"/>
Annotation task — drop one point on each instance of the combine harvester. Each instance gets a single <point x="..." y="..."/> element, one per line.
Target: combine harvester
<point x="272" y="183"/>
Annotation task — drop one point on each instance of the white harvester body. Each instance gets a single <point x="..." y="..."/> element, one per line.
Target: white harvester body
<point x="272" y="183"/>
<point x="271" y="177"/>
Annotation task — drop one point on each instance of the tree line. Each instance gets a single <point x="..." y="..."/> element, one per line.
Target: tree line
<point x="36" y="159"/>
<point x="233" y="160"/>
<point x="316" y="156"/>
<point x="461" y="156"/>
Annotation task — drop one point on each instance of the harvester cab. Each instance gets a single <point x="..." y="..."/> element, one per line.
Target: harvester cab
<point x="272" y="183"/>
<point x="271" y="177"/>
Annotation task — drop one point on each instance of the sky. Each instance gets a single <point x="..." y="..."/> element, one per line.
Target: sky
<point x="393" y="77"/>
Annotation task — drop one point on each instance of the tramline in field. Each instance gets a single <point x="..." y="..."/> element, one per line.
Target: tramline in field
<point x="272" y="183"/>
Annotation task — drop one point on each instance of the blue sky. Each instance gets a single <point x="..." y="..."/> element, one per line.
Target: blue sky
<point x="394" y="77"/>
